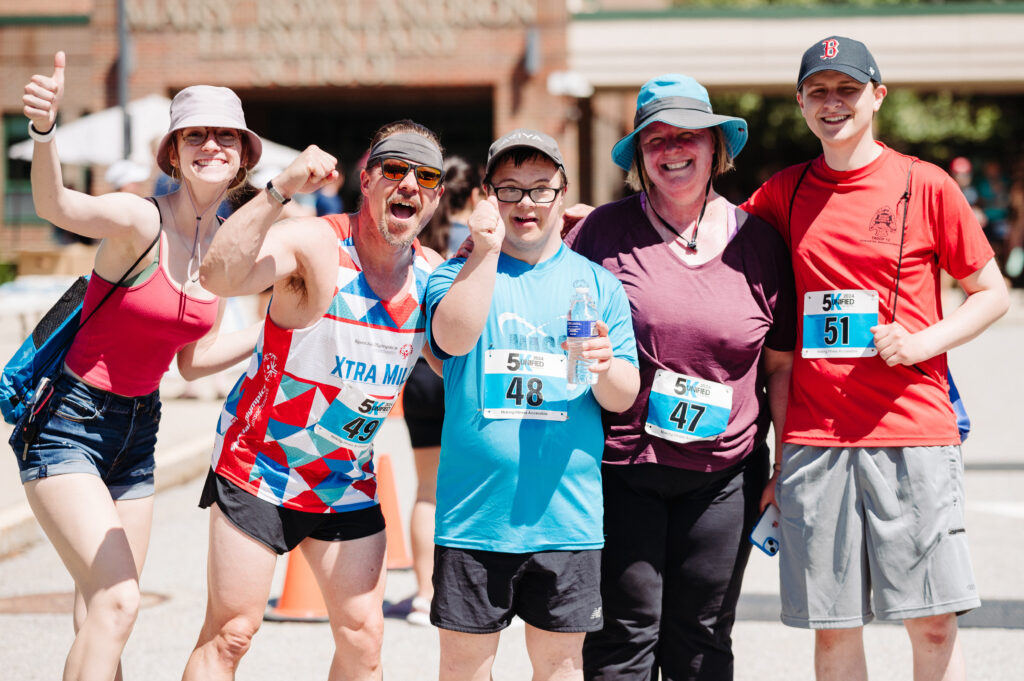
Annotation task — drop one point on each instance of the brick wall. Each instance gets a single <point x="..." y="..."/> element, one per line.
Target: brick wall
<point x="293" y="46"/>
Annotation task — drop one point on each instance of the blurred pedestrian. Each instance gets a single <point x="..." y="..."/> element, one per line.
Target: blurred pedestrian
<point x="423" y="401"/>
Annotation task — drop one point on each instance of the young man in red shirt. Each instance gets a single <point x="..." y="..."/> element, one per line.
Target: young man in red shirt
<point x="871" y="486"/>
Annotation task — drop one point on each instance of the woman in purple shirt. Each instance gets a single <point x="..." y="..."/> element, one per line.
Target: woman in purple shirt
<point x="685" y="469"/>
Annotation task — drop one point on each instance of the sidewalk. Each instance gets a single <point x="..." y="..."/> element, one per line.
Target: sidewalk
<point x="182" y="453"/>
<point x="989" y="372"/>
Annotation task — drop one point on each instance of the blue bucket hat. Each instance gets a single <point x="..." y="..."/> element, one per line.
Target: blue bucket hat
<point x="682" y="102"/>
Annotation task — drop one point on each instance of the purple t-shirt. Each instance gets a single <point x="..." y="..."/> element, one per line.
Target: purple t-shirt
<point x="708" y="321"/>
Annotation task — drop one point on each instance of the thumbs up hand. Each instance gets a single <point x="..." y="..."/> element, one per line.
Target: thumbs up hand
<point x="43" y="95"/>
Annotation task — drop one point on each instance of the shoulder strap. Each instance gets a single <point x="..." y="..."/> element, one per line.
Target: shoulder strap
<point x="128" y="271"/>
<point x="903" y="231"/>
<point x="792" y="199"/>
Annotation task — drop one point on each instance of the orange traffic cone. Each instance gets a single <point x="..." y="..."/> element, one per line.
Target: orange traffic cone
<point x="301" y="600"/>
<point x="387" y="494"/>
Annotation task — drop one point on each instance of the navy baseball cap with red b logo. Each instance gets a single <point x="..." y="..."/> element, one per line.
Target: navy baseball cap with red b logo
<point x="837" y="53"/>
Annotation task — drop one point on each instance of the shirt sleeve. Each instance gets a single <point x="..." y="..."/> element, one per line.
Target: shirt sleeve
<point x="617" y="315"/>
<point x="438" y="284"/>
<point x="963" y="248"/>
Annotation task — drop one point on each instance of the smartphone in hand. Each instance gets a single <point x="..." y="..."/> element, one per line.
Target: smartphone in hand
<point x="765" y="534"/>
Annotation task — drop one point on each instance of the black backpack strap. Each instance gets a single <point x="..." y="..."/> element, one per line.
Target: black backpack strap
<point x="792" y="199"/>
<point x="113" y="288"/>
<point x="905" y="199"/>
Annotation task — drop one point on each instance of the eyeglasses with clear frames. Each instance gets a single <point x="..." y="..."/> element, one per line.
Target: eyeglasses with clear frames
<point x="225" y="137"/>
<point x="516" y="194"/>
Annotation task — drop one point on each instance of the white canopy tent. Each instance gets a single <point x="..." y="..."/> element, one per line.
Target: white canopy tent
<point x="96" y="139"/>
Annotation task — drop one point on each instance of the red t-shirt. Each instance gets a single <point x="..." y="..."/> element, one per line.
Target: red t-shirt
<point x="845" y="235"/>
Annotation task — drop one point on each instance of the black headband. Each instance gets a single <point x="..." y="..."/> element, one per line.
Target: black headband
<point x="409" y="146"/>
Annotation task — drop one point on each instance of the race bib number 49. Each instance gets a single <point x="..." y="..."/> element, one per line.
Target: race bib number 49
<point x="838" y="323"/>
<point x="525" y="385"/>
<point x="353" y="418"/>
<point x="683" y="408"/>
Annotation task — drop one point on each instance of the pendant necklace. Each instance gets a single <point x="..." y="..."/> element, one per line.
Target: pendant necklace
<point x="691" y="243"/>
<point x="196" y="256"/>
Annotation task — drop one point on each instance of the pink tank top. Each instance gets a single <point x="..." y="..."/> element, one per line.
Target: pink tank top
<point x="129" y="343"/>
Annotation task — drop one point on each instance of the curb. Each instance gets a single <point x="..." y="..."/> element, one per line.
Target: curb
<point x="177" y="466"/>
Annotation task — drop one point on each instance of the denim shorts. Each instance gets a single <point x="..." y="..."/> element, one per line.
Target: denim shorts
<point x="87" y="430"/>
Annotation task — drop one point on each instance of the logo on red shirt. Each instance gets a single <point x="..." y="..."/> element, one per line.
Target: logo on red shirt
<point x="883" y="225"/>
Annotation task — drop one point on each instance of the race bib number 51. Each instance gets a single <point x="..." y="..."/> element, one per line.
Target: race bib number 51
<point x="838" y="324"/>
<point x="525" y="385"/>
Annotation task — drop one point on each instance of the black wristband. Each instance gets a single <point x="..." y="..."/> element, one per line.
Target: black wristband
<point x="276" y="195"/>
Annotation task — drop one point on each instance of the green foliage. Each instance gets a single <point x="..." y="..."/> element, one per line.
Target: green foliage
<point x="935" y="126"/>
<point x="750" y="4"/>
<point x="8" y="270"/>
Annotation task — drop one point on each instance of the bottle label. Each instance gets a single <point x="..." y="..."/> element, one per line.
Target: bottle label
<point x="684" y="408"/>
<point x="581" y="328"/>
<point x="525" y="385"/>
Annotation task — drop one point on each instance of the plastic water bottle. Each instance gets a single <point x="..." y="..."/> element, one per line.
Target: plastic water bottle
<point x="581" y="326"/>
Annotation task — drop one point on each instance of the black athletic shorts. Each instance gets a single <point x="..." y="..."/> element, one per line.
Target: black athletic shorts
<point x="423" y="405"/>
<point x="282" y="529"/>
<point x="478" y="592"/>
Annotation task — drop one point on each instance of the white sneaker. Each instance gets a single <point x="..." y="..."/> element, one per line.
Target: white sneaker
<point x="419" y="613"/>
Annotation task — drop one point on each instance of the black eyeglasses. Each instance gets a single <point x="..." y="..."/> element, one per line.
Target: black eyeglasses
<point x="226" y="137"/>
<point x="515" y="194"/>
<point x="395" y="169"/>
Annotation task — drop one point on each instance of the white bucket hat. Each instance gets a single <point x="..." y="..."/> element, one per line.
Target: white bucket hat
<point x="207" y="106"/>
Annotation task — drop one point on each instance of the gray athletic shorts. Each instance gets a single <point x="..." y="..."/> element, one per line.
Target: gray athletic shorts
<point x="881" y="524"/>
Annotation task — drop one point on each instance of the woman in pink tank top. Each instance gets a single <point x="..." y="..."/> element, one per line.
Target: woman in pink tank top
<point x="88" y="473"/>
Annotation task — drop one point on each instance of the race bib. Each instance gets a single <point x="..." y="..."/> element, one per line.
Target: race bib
<point x="525" y="385"/>
<point x="683" y="408"/>
<point x="838" y="323"/>
<point x="353" y="419"/>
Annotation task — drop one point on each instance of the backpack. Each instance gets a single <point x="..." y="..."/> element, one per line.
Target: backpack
<point x="41" y="356"/>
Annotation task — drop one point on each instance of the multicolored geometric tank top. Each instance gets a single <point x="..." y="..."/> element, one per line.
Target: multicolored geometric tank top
<point x="298" y="426"/>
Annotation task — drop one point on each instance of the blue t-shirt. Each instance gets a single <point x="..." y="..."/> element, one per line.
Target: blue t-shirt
<point x="526" y="482"/>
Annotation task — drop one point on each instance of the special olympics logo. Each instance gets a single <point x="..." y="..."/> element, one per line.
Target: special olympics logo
<point x="405" y="350"/>
<point x="270" y="369"/>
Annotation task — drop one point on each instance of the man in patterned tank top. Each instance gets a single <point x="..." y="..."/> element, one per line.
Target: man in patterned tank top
<point x="293" y="461"/>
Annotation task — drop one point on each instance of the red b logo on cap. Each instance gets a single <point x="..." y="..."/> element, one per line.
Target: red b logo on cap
<point x="831" y="49"/>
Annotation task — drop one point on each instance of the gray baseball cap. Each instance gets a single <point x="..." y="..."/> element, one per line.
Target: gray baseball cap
<point x="524" y="138"/>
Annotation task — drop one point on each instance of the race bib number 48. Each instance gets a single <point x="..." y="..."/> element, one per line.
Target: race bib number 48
<point x="683" y="408"/>
<point x="838" y="324"/>
<point x="525" y="385"/>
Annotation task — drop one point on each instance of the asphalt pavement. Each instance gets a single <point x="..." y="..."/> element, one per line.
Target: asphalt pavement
<point x="989" y="372"/>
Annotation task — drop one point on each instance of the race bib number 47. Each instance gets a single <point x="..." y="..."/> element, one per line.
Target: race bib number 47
<point x="684" y="409"/>
<point x="525" y="385"/>
<point x="838" y="324"/>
